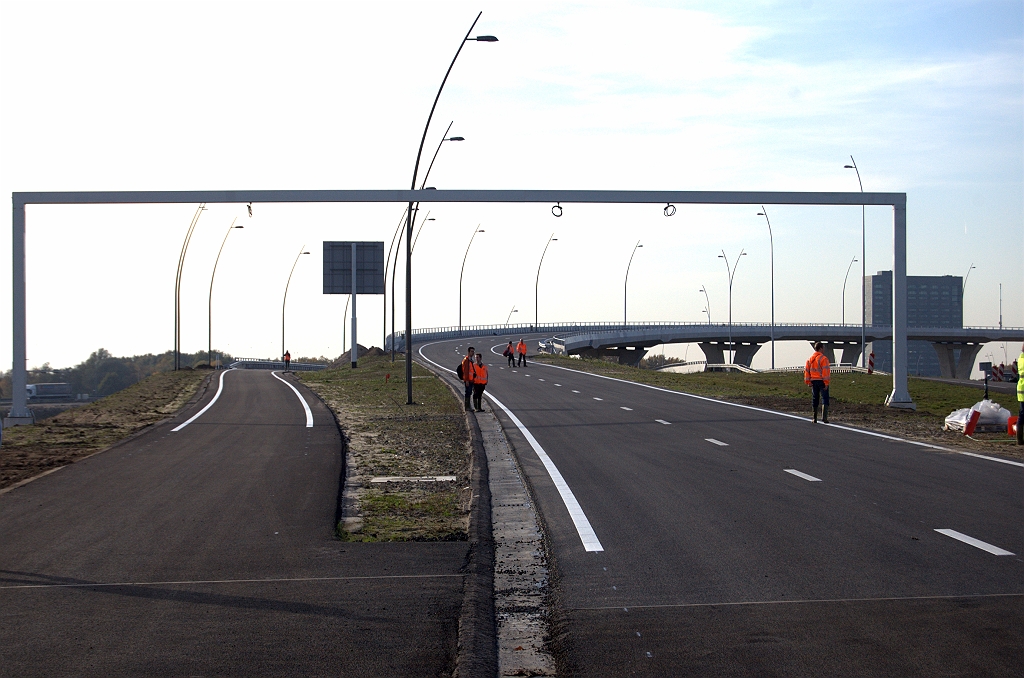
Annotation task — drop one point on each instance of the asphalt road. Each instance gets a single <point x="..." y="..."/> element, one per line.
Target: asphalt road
<point x="210" y="551"/>
<point x="727" y="540"/>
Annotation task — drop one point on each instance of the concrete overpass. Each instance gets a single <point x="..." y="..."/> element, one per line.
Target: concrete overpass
<point x="629" y="344"/>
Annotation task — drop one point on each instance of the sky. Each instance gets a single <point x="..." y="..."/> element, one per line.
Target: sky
<point x="928" y="97"/>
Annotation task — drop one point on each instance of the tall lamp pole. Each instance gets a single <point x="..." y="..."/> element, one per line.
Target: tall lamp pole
<point x="863" y="271"/>
<point x="285" y="300"/>
<point x="536" y="284"/>
<point x="964" y="287"/>
<point x="464" y="257"/>
<point x="408" y="214"/>
<point x="708" y="301"/>
<point x="625" y="284"/>
<point x="732" y="274"/>
<point x="209" y="320"/>
<point x="771" y="243"/>
<point x="394" y="269"/>
<point x="177" y="285"/>
<point x="852" y="262"/>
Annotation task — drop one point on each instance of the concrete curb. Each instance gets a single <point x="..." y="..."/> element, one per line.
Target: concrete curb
<point x="200" y="392"/>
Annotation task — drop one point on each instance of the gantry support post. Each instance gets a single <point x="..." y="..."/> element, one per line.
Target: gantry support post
<point x="900" y="396"/>
<point x="19" y="414"/>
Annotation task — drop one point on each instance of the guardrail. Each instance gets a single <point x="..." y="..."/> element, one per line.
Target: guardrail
<point x="261" y="364"/>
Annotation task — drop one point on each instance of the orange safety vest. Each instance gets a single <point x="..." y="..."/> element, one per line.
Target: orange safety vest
<point x="479" y="373"/>
<point x="287" y="356"/>
<point x="467" y="370"/>
<point x="817" y="369"/>
<point x="521" y="347"/>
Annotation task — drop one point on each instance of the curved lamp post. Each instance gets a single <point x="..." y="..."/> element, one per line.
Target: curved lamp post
<point x="408" y="214"/>
<point x="509" y="318"/>
<point x="464" y="257"/>
<point x="177" y="285"/>
<point x="852" y="262"/>
<point x="708" y="301"/>
<point x="394" y="269"/>
<point x="625" y="284"/>
<point x="536" y="284"/>
<point x="771" y="242"/>
<point x="209" y="320"/>
<point x="732" y="274"/>
<point x="863" y="271"/>
<point x="964" y="287"/>
<point x="301" y="252"/>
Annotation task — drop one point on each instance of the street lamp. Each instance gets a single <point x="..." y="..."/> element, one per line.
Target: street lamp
<point x="209" y="321"/>
<point x="422" y="224"/>
<point x="509" y="318"/>
<point x="408" y="214"/>
<point x="708" y="301"/>
<point x="863" y="271"/>
<point x="536" y="284"/>
<point x="771" y="242"/>
<point x="177" y="285"/>
<point x="475" y="231"/>
<point x="394" y="269"/>
<point x="964" y="287"/>
<point x="852" y="262"/>
<point x="283" y="302"/>
<point x="732" y="274"/>
<point x="625" y="284"/>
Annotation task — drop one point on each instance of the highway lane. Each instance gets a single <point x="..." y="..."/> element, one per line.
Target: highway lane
<point x="711" y="534"/>
<point x="210" y="550"/>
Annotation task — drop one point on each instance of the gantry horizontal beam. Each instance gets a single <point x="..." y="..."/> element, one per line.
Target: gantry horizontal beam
<point x="462" y="196"/>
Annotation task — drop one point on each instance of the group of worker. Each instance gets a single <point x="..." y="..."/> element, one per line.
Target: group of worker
<point x="473" y="374"/>
<point x="511" y="352"/>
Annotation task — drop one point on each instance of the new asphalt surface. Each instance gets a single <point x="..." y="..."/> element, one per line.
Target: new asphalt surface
<point x="714" y="539"/>
<point x="210" y="550"/>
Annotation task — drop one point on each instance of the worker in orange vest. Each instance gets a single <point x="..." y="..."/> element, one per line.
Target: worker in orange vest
<point x="466" y="370"/>
<point x="510" y="353"/>
<point x="287" y="360"/>
<point x="479" y="382"/>
<point x="521" y="351"/>
<point x="817" y="375"/>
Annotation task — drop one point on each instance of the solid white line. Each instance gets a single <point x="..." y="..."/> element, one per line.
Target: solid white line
<point x="198" y="414"/>
<point x="579" y="518"/>
<point x="662" y="421"/>
<point x="790" y="416"/>
<point x="305" y="405"/>
<point x="994" y="550"/>
<point x="628" y="409"/>
<point x="717" y="442"/>
<point x="798" y="474"/>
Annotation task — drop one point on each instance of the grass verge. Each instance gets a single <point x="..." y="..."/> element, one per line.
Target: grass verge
<point x="856" y="399"/>
<point x="386" y="437"/>
<point x="28" y="451"/>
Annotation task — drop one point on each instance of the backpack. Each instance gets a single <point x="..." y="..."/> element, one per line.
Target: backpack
<point x="458" y="371"/>
<point x="507" y="352"/>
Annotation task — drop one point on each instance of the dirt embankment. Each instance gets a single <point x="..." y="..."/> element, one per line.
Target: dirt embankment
<point x="69" y="436"/>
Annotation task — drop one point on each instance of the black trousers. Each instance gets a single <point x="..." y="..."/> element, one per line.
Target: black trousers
<point x="478" y="391"/>
<point x="819" y="390"/>
<point x="469" y="389"/>
<point x="511" y="359"/>
<point x="522" y="359"/>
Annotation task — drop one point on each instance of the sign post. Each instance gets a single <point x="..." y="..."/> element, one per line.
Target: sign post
<point x="353" y="267"/>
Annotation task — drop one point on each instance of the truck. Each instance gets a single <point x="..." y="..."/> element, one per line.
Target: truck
<point x="52" y="391"/>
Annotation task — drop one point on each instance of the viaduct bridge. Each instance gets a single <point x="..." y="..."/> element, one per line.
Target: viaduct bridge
<point x="630" y="343"/>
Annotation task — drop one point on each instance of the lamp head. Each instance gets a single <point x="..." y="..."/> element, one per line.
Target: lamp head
<point x="431" y="219"/>
<point x="485" y="38"/>
<point x="455" y="139"/>
<point x="847" y="166"/>
<point x="305" y="252"/>
<point x="760" y="214"/>
<point x="239" y="226"/>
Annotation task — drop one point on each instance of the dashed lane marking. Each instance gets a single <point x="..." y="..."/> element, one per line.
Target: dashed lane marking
<point x="557" y="384"/>
<point x="628" y="409"/>
<point x="662" y="421"/>
<point x="575" y="391"/>
<point x="596" y="398"/>
<point x="977" y="543"/>
<point x="717" y="442"/>
<point x="798" y="474"/>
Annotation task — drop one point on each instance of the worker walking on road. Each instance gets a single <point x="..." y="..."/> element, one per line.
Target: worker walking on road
<point x="817" y="375"/>
<point x="510" y="353"/>
<point x="479" y="382"/>
<point x="1020" y="397"/>
<point x="521" y="351"/>
<point x="465" y="372"/>
<point x="287" y="360"/>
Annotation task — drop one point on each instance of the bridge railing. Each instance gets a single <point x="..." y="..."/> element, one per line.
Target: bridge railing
<point x="263" y="364"/>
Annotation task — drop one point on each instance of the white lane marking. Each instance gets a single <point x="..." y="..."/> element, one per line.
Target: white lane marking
<point x="798" y="474"/>
<point x="575" y="391"/>
<point x="538" y="379"/>
<point x="662" y="421"/>
<point x="579" y="518"/>
<point x="557" y="384"/>
<point x="305" y="405"/>
<point x="790" y="416"/>
<point x="628" y="409"/>
<point x="526" y="375"/>
<point x="200" y="413"/>
<point x="977" y="543"/>
<point x="596" y="398"/>
<point x="717" y="442"/>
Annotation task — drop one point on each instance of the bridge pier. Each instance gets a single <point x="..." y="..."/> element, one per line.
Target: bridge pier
<point x="851" y="351"/>
<point x="714" y="351"/>
<point x="629" y="355"/>
<point x="949" y="366"/>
